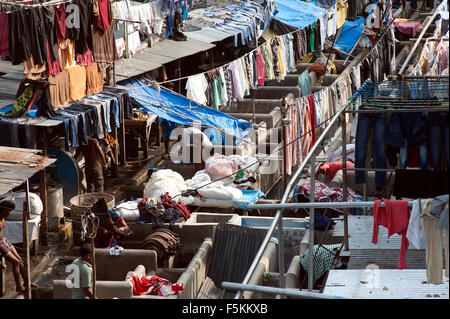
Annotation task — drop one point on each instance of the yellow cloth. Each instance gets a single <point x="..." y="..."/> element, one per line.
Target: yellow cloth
<point x="66" y="51"/>
<point x="94" y="79"/>
<point x="77" y="80"/>
<point x="341" y="12"/>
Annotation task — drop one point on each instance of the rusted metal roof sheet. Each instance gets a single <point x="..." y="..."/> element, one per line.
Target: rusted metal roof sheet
<point x="386" y="258"/>
<point x="384" y="284"/>
<point x="19" y="164"/>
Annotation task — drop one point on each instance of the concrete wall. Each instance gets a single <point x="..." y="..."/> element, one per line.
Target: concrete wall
<point x="195" y="272"/>
<point x="267" y="263"/>
<point x="104" y="290"/>
<point x="115" y="268"/>
<point x="193" y="276"/>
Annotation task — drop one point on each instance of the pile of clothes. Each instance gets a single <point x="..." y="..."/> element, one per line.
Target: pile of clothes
<point x="160" y="210"/>
<point x="152" y="285"/>
<point x="164" y="242"/>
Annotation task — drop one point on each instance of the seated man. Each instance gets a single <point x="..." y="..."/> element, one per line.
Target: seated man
<point x="7" y="249"/>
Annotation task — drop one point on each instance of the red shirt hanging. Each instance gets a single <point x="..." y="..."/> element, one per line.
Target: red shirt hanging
<point x="395" y="217"/>
<point x="104" y="15"/>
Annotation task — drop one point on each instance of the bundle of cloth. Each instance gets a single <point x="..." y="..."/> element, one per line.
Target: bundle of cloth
<point x="165" y="181"/>
<point x="152" y="285"/>
<point x="223" y="178"/>
<point x="164" y="242"/>
<point x="160" y="210"/>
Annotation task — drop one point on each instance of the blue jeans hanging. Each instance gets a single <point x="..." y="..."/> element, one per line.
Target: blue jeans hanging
<point x="365" y="123"/>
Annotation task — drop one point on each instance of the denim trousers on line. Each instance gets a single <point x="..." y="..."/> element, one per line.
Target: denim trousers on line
<point x="423" y="155"/>
<point x="438" y="130"/>
<point x="365" y="123"/>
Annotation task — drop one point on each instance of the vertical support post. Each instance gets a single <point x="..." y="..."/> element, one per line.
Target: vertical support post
<point x="125" y="34"/>
<point x="344" y="180"/>
<point x="114" y="73"/>
<point x="26" y="244"/>
<point x="43" y="231"/>
<point x="123" y="156"/>
<point x="94" y="270"/>
<point x="281" y="252"/>
<point x="311" y="224"/>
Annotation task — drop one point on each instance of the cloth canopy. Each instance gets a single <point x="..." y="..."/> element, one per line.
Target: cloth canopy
<point x="298" y="13"/>
<point x="350" y="34"/>
<point x="178" y="109"/>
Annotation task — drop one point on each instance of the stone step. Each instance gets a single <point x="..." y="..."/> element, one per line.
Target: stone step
<point x="276" y="92"/>
<point x="262" y="106"/>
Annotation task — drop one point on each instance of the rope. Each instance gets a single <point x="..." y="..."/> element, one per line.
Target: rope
<point x="261" y="161"/>
<point x="89" y="225"/>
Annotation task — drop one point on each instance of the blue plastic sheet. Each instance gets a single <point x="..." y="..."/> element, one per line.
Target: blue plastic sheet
<point x="181" y="110"/>
<point x="351" y="32"/>
<point x="249" y="197"/>
<point x="298" y="13"/>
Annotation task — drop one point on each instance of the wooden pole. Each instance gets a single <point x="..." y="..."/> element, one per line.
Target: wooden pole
<point x="43" y="230"/>
<point x="25" y="241"/>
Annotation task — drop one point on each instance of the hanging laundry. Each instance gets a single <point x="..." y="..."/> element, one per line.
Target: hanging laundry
<point x="260" y="67"/>
<point x="434" y="227"/>
<point x="60" y="91"/>
<point x="395" y="217"/>
<point x="66" y="53"/>
<point x="342" y="7"/>
<point x="4" y="34"/>
<point x="305" y="83"/>
<point x="94" y="79"/>
<point x="77" y="80"/>
<point x="60" y="22"/>
<point x="105" y="52"/>
<point x="415" y="230"/>
<point x="196" y="86"/>
<point x="104" y="18"/>
<point x="332" y="21"/>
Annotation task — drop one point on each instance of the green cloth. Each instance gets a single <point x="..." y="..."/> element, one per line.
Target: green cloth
<point x="217" y="93"/>
<point x="311" y="37"/>
<point x="85" y="279"/>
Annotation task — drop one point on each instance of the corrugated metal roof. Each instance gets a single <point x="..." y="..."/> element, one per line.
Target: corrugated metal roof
<point x="384" y="284"/>
<point x="208" y="35"/>
<point x="385" y="258"/>
<point x="19" y="164"/>
<point x="360" y="234"/>
<point x="153" y="58"/>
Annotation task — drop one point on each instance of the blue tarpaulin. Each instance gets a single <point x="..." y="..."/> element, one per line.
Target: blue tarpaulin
<point x="298" y="13"/>
<point x="178" y="109"/>
<point x="351" y="32"/>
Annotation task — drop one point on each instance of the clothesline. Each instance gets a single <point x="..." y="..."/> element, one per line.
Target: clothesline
<point x="35" y="4"/>
<point x="245" y="55"/>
